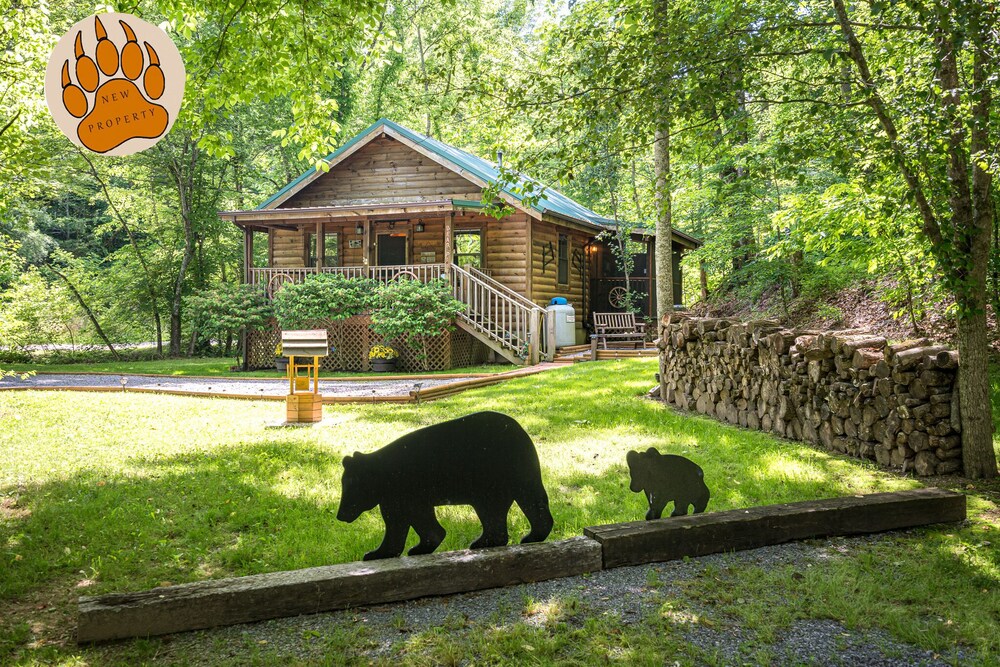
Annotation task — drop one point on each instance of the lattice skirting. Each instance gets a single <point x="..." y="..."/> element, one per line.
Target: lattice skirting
<point x="352" y="338"/>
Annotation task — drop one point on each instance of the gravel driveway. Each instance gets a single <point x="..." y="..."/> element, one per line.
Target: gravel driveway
<point x="252" y="387"/>
<point x="625" y="593"/>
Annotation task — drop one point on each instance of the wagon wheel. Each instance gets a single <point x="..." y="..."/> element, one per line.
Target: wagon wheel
<point x="276" y="282"/>
<point x="618" y="297"/>
<point x="404" y="275"/>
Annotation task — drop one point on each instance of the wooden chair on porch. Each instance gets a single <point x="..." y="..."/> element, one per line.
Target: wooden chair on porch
<point x="617" y="328"/>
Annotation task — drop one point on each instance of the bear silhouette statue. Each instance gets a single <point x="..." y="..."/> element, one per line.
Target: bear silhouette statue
<point x="666" y="477"/>
<point x="485" y="460"/>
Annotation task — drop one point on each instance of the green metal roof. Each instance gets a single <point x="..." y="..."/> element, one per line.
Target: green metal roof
<point x="550" y="201"/>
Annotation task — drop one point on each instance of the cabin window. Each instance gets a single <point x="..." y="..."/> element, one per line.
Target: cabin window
<point x="331" y="249"/>
<point x="563" y="259"/>
<point x="469" y="248"/>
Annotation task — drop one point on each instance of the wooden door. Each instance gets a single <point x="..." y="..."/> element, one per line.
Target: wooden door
<point x="390" y="249"/>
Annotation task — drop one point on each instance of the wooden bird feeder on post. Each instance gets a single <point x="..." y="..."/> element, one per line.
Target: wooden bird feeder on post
<point x="304" y="404"/>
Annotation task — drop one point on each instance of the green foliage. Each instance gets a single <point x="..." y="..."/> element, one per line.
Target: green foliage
<point x="322" y="298"/>
<point x="410" y="312"/>
<point x="228" y="308"/>
<point x="35" y="312"/>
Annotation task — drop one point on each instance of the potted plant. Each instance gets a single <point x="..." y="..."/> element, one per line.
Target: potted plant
<point x="280" y="362"/>
<point x="383" y="358"/>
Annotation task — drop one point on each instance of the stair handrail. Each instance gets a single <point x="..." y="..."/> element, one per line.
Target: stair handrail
<point x="500" y="287"/>
<point x="511" y="323"/>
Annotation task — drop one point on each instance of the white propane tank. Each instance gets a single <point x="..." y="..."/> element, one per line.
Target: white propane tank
<point x="565" y="321"/>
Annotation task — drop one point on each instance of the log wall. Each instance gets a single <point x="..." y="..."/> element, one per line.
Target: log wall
<point x="545" y="269"/>
<point x="848" y="391"/>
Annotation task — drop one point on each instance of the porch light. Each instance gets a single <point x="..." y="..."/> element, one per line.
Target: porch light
<point x="419" y="227"/>
<point x="359" y="230"/>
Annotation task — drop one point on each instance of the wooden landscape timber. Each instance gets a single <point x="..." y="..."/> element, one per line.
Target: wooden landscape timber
<point x="260" y="597"/>
<point x="849" y="391"/>
<point x="641" y="542"/>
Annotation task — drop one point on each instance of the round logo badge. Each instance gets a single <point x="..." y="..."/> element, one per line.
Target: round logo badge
<point x="114" y="84"/>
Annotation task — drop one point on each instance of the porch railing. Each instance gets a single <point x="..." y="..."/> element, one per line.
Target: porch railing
<point x="271" y="279"/>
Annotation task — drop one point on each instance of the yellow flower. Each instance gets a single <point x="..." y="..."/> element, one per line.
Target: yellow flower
<point x="382" y="352"/>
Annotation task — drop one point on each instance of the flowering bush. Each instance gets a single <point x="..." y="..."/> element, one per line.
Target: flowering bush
<point x="277" y="350"/>
<point x="382" y="352"/>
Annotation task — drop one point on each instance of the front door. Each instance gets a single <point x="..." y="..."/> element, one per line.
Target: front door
<point x="390" y="249"/>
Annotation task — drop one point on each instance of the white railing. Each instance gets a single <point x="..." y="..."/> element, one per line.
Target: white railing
<point x="425" y="273"/>
<point x="514" y="324"/>
<point x="500" y="287"/>
<point x="272" y="279"/>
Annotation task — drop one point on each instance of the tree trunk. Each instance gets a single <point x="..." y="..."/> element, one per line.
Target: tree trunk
<point x="664" y="223"/>
<point x="973" y="393"/>
<point x="88" y="311"/>
<point x="185" y="187"/>
<point x="978" y="454"/>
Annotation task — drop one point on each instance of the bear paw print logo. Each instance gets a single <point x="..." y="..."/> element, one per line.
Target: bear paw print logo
<point x="112" y="94"/>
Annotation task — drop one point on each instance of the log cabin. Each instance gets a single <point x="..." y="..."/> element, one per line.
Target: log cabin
<point x="395" y="203"/>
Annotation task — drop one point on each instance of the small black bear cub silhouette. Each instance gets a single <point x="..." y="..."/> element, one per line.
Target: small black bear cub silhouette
<point x="484" y="459"/>
<point x="665" y="477"/>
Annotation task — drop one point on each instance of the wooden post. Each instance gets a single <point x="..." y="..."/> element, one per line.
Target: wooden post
<point x="247" y="253"/>
<point x="449" y="223"/>
<point x="320" y="245"/>
<point x="366" y="243"/>
<point x="534" y="336"/>
<point x="550" y="334"/>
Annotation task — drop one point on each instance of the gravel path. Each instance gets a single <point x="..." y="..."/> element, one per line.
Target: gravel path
<point x="629" y="594"/>
<point x="257" y="386"/>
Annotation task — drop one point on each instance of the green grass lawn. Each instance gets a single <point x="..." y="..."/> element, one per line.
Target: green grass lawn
<point x="213" y="367"/>
<point x="105" y="492"/>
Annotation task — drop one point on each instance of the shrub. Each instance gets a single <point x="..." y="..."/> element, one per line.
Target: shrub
<point x="230" y="308"/>
<point x="411" y="312"/>
<point x="324" y="301"/>
<point x="322" y="298"/>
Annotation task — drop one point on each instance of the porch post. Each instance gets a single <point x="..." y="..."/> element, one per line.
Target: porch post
<point x="534" y="337"/>
<point x="247" y="253"/>
<point x="320" y="243"/>
<point x="366" y="243"/>
<point x="449" y="223"/>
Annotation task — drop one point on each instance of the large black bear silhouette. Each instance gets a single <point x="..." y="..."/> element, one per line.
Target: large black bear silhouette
<point x="666" y="477"/>
<point x="484" y="459"/>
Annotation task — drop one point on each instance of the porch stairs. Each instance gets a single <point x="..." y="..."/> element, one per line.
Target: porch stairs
<point x="507" y="322"/>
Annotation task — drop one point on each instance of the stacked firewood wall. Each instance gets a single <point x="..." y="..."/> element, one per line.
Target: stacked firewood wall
<point x="849" y="391"/>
